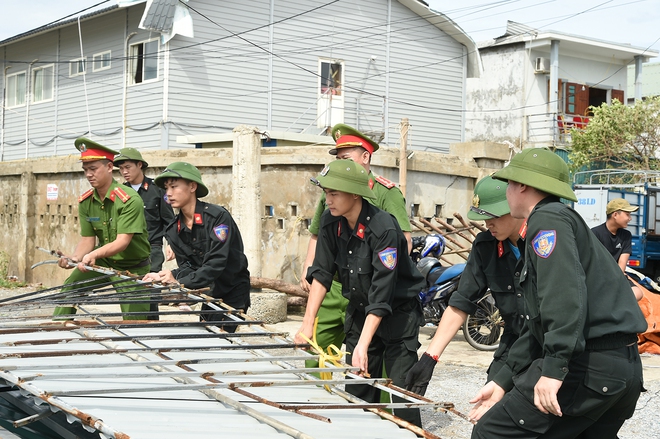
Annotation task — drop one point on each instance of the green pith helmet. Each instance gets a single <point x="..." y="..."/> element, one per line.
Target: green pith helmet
<point x="186" y="171"/>
<point x="348" y="137"/>
<point x="345" y="176"/>
<point x="130" y="154"/>
<point x="489" y="200"/>
<point x="541" y="169"/>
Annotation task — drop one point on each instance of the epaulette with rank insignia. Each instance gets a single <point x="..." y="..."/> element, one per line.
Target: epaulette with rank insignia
<point x="385" y="182"/>
<point x="119" y="192"/>
<point x="86" y="195"/>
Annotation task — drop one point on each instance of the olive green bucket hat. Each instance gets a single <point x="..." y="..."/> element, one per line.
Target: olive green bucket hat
<point x="130" y="154"/>
<point x="345" y="176"/>
<point x="489" y="200"/>
<point x="541" y="169"/>
<point x="187" y="172"/>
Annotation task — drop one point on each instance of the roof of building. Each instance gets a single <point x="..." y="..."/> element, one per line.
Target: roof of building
<point x="57" y="24"/>
<point x="569" y="44"/>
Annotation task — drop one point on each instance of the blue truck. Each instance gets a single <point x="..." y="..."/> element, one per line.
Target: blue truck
<point x="594" y="189"/>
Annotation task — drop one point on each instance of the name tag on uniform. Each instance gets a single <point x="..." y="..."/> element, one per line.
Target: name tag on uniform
<point x="91" y="219"/>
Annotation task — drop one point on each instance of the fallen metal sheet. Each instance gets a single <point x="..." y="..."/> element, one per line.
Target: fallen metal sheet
<point x="175" y="379"/>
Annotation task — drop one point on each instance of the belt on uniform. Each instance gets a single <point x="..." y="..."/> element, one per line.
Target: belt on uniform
<point x="143" y="263"/>
<point x="611" y="341"/>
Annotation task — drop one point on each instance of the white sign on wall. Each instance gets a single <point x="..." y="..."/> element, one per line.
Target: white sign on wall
<point x="51" y="192"/>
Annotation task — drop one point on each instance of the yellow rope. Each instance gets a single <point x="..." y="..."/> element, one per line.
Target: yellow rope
<point x="334" y="354"/>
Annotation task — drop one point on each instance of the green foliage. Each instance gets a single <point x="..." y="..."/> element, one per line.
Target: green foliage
<point x="5" y="282"/>
<point x="620" y="137"/>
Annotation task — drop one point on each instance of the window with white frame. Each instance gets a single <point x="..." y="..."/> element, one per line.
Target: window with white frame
<point x="43" y="83"/>
<point x="77" y="66"/>
<point x="15" y="89"/>
<point x="144" y="61"/>
<point x="101" y="61"/>
<point x="331" y="78"/>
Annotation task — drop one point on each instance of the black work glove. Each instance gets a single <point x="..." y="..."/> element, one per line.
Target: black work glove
<point x="420" y="374"/>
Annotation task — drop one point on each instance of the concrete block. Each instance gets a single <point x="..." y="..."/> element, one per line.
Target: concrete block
<point x="268" y="306"/>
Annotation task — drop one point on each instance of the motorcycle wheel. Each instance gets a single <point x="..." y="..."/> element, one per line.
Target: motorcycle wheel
<point x="483" y="329"/>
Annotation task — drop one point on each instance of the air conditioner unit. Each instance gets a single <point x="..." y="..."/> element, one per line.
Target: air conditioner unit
<point x="542" y="65"/>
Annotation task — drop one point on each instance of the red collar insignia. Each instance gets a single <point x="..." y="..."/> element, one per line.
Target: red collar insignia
<point x="339" y="228"/>
<point x="198" y="218"/>
<point x="178" y="226"/>
<point x="360" y="231"/>
<point x="371" y="183"/>
<point x="86" y="195"/>
<point x="500" y="249"/>
<point x="523" y="230"/>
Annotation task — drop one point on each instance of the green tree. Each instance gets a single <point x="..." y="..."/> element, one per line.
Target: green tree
<point x="619" y="136"/>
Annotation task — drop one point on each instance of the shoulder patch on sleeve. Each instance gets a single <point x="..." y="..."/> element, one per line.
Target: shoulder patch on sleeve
<point x="85" y="195"/>
<point x="385" y="182"/>
<point x="544" y="243"/>
<point x="388" y="257"/>
<point x="123" y="196"/>
<point x="222" y="232"/>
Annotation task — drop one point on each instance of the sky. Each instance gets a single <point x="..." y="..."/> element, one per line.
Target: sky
<point x="636" y="22"/>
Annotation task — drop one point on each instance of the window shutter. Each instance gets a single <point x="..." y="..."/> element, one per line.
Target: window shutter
<point x="617" y="94"/>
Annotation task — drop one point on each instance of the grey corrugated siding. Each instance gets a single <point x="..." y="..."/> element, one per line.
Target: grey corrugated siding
<point x="426" y="82"/>
<point x="222" y="83"/>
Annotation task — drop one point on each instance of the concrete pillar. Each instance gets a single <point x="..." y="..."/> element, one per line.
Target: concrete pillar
<point x="553" y="99"/>
<point x="246" y="192"/>
<point x="638" y="78"/>
<point x="26" y="225"/>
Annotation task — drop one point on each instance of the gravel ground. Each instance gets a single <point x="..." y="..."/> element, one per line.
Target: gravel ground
<point x="452" y="382"/>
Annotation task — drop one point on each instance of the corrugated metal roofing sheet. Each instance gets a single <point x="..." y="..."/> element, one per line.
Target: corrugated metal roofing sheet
<point x="160" y="15"/>
<point x="172" y="378"/>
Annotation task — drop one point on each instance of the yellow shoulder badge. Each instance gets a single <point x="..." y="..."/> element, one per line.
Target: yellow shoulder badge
<point x="385" y="182"/>
<point x="123" y="196"/>
<point x="86" y="195"/>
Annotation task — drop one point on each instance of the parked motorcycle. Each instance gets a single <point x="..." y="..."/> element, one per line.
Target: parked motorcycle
<point x="481" y="330"/>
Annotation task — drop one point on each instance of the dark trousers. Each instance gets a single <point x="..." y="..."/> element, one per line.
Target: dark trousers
<point x="157" y="259"/>
<point x="598" y="394"/>
<point x="398" y="354"/>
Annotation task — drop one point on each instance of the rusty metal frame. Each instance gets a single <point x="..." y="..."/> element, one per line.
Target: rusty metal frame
<point x="185" y="377"/>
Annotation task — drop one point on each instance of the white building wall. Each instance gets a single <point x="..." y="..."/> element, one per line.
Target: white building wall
<point x="495" y="100"/>
<point x="510" y="100"/>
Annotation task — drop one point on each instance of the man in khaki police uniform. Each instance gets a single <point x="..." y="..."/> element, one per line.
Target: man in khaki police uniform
<point x="112" y="227"/>
<point x="350" y="144"/>
<point x="575" y="370"/>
